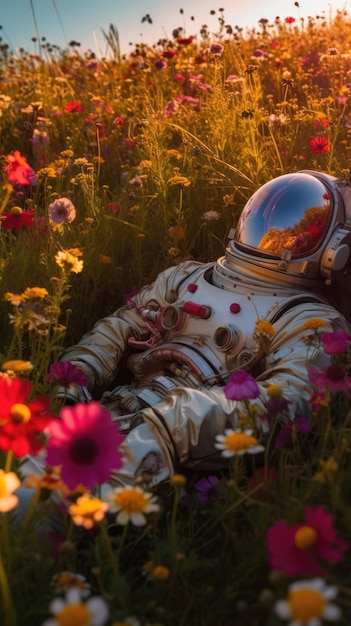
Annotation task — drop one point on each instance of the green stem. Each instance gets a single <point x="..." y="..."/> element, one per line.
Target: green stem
<point x="9" y="615"/>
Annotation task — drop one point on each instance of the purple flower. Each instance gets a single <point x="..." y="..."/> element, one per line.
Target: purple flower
<point x="205" y="487"/>
<point x="335" y="343"/>
<point x="241" y="386"/>
<point x="65" y="373"/>
<point x="300" y="424"/>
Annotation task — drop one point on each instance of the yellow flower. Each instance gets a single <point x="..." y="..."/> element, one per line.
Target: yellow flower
<point x="17" y="365"/>
<point x="274" y="391"/>
<point x="307" y="603"/>
<point x="67" y="580"/>
<point x="178" y="480"/>
<point x="315" y="323"/>
<point x="174" y="153"/>
<point x="9" y="482"/>
<point x="35" y="292"/>
<point x="265" y="328"/>
<point x="179" y="180"/>
<point x="87" y="511"/>
<point x="103" y="258"/>
<point x="131" y="504"/>
<point x="69" y="262"/>
<point x="14" y="298"/>
<point x="161" y="572"/>
<point x="237" y="442"/>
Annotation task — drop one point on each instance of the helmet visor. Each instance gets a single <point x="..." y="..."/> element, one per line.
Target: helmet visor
<point x="291" y="212"/>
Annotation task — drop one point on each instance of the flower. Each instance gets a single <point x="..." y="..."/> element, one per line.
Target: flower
<point x="17" y="219"/>
<point x="289" y="20"/>
<point x="34" y="292"/>
<point x="320" y="145"/>
<point x="237" y="442"/>
<point x="314" y="323"/>
<point x="307" y="603"/>
<point x="335" y="343"/>
<point x="22" y="422"/>
<point x="18" y="171"/>
<point x="210" y="216"/>
<point x="17" y="365"/>
<point x="131" y="504"/>
<point x="307" y="547"/>
<point x="241" y="386"/>
<point x="73" y="107"/>
<point x="75" y="611"/>
<point x="334" y="377"/>
<point x="69" y="261"/>
<point x="205" y="488"/>
<point x="62" y="210"/>
<point x="87" y="511"/>
<point x="66" y="374"/>
<point x="68" y="580"/>
<point x="300" y="424"/>
<point x="9" y="482"/>
<point x="216" y="49"/>
<point x="85" y="442"/>
<point x="182" y="181"/>
<point x="160" y="572"/>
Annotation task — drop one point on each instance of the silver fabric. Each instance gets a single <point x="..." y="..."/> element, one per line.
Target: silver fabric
<point x="179" y="359"/>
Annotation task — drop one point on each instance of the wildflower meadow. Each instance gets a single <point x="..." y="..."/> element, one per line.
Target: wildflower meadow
<point x="112" y="168"/>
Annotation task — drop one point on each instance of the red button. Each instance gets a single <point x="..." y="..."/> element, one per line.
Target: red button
<point x="192" y="287"/>
<point x="235" y="307"/>
<point x="199" y="310"/>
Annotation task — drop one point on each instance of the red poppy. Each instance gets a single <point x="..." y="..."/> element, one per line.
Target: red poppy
<point x="18" y="171"/>
<point x="73" y="107"/>
<point x="289" y="20"/>
<point x="22" y="422"/>
<point x="17" y="219"/>
<point x="168" y="54"/>
<point x="319" y="145"/>
<point x="185" y="41"/>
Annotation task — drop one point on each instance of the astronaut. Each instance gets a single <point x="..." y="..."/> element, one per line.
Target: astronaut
<point x="178" y="340"/>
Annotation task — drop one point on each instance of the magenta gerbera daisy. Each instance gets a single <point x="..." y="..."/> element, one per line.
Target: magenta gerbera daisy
<point x="85" y="443"/>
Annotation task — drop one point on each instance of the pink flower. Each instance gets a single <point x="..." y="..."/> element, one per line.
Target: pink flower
<point x="62" y="210"/>
<point x="335" y="343"/>
<point x="334" y="376"/>
<point x="300" y="424"/>
<point x="65" y="373"/>
<point x="241" y="386"/>
<point x="305" y="548"/>
<point x="85" y="443"/>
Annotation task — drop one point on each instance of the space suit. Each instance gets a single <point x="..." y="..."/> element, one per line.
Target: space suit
<point x="176" y="343"/>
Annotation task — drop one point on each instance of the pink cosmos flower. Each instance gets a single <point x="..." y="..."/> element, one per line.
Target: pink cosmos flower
<point x="241" y="386"/>
<point x="65" y="373"/>
<point x="305" y="548"/>
<point x="85" y="443"/>
<point x="335" y="343"/>
<point x="334" y="377"/>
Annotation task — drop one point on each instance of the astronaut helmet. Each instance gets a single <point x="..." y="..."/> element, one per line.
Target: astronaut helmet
<point x="295" y="230"/>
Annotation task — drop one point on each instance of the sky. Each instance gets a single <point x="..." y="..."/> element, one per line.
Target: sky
<point x="61" y="21"/>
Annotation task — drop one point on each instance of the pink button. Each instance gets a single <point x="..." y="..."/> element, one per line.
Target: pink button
<point x="235" y="307"/>
<point x="192" y="287"/>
